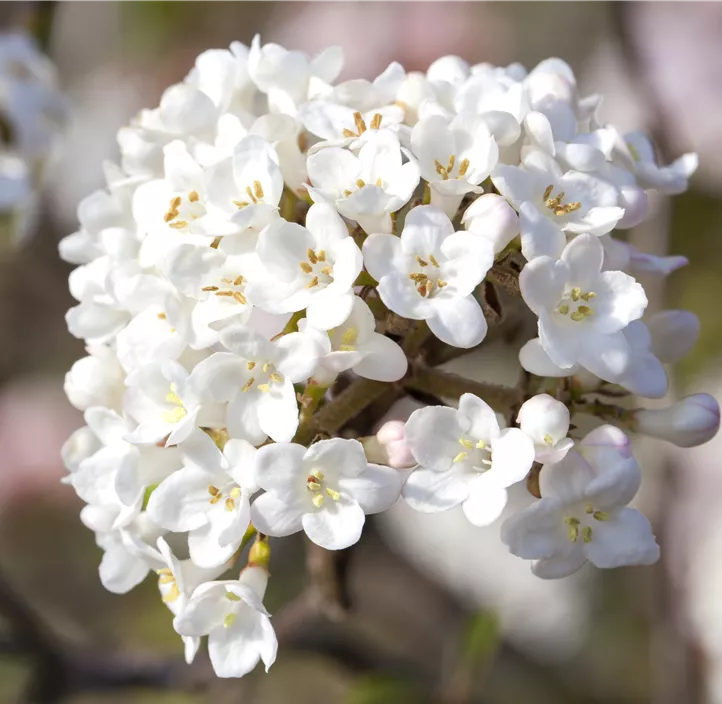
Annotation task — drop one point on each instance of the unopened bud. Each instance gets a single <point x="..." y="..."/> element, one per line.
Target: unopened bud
<point x="692" y="421"/>
<point x="392" y="446"/>
<point x="494" y="219"/>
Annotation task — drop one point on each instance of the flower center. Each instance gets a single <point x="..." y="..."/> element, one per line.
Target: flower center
<point x="476" y="453"/>
<point x="265" y="373"/>
<point x="315" y="485"/>
<point x="447" y="172"/>
<point x="255" y="196"/>
<point x="230" y="617"/>
<point x="183" y="209"/>
<point x="173" y="415"/>
<point x="361" y="125"/>
<point x="587" y="532"/>
<point x="427" y="284"/>
<point x="360" y="183"/>
<point x="318" y="269"/>
<point x="216" y="495"/>
<point x="230" y="288"/>
<point x="166" y="576"/>
<point x="348" y="340"/>
<point x="574" y="304"/>
<point x="555" y="204"/>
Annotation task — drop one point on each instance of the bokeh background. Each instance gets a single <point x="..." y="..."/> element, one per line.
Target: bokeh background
<point x="441" y="614"/>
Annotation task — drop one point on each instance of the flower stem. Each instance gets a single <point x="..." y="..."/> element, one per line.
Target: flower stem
<point x="444" y="385"/>
<point x="605" y="411"/>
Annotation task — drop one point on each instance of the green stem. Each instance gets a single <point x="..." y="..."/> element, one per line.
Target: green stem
<point x="444" y="385"/>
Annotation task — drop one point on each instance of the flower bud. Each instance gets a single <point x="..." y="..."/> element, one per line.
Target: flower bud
<point x="692" y="421"/>
<point x="260" y="554"/>
<point x="390" y="445"/>
<point x="674" y="334"/>
<point x="493" y="218"/>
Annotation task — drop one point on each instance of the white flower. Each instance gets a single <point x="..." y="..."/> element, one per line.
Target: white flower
<point x="256" y="378"/>
<point x="96" y="380"/>
<point x="637" y="154"/>
<point x="546" y="421"/>
<point x="366" y="188"/>
<point x="208" y="497"/>
<point x="232" y="615"/>
<point x="430" y="273"/>
<point x="674" y="333"/>
<point x="552" y="203"/>
<point x="325" y="490"/>
<point x="312" y="267"/>
<point x="464" y="458"/>
<point x="163" y="403"/>
<point x="687" y="423"/>
<point x="583" y="311"/>
<point x="583" y="512"/>
<point x="355" y="345"/>
<point x="454" y="157"/>
<point x="493" y="218"/>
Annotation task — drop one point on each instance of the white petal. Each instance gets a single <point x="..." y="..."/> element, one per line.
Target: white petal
<point x="625" y="539"/>
<point x="485" y="503"/>
<point x="459" y="322"/>
<point x="539" y="235"/>
<point x="376" y="489"/>
<point x="433" y="434"/>
<point x="430" y="491"/>
<point x="273" y="517"/>
<point x="383" y="360"/>
<point x="336" y="525"/>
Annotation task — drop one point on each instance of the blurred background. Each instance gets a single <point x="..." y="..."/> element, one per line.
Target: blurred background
<point x="441" y="614"/>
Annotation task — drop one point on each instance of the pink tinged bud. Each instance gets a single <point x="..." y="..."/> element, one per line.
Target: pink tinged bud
<point x="392" y="441"/>
<point x="494" y="219"/>
<point x="674" y="334"/>
<point x="692" y="421"/>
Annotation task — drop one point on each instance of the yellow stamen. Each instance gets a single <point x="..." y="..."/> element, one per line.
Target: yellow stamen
<point x="587" y="534"/>
<point x="258" y="189"/>
<point x="440" y="283"/>
<point x="275" y="376"/>
<point x="172" y="595"/>
<point x="250" y="195"/>
<point x="463" y="167"/>
<point x="250" y="365"/>
<point x="240" y="298"/>
<point x="461" y="456"/>
<point x="232" y="597"/>
<point x="230" y="504"/>
<point x="466" y="443"/>
<point x="318" y="500"/>
<point x="229" y="620"/>
<point x="235" y="492"/>
<point x="305" y="267"/>
<point x="547" y="192"/>
<point x="210" y="288"/>
<point x="193" y="196"/>
<point x="317" y="474"/>
<point x="166" y="579"/>
<point x="264" y="387"/>
<point x="418" y="278"/>
<point x="248" y="384"/>
<point x="376" y="122"/>
<point x="311" y="256"/>
<point x="238" y="281"/>
<point x="321" y="254"/>
<point x="333" y="494"/>
<point x="178" y="225"/>
<point x="432" y="259"/>
<point x="548" y="439"/>
<point x="213" y="490"/>
<point x="162" y="316"/>
<point x="360" y="183"/>
<point x="421" y="262"/>
<point x="360" y="124"/>
<point x="327" y="270"/>
<point x="313" y="282"/>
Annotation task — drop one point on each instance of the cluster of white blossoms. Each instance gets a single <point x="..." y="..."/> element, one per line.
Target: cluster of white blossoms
<point x="32" y="113"/>
<point x="278" y="252"/>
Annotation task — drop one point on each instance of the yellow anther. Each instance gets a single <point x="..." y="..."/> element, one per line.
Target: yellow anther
<point x="313" y="486"/>
<point x="429" y="285"/>
<point x="175" y="202"/>
<point x="275" y="376"/>
<point x="573" y="528"/>
<point x="576" y="294"/>
<point x="317" y="474"/>
<point x="266" y="367"/>
<point x="418" y="277"/>
<point x="432" y="259"/>
<point x="248" y="384"/>
<point x="422" y="290"/>
<point x="210" y="288"/>
<point x="216" y="498"/>
<point x="166" y="579"/>
<point x="576" y="316"/>
<point x="379" y="182"/>
<point x="229" y="620"/>
<point x="376" y="121"/>
<point x="600" y="516"/>
<point x="461" y="456"/>
<point x="588" y="296"/>
<point x="172" y="595"/>
<point x="327" y="270"/>
<point x="239" y="298"/>
<point x="264" y="387"/>
<point x="450" y="167"/>
<point x="193" y="196"/>
<point x="547" y="192"/>
<point x="258" y="189"/>
<point x="311" y="256"/>
<point x="441" y="283"/>
<point x="250" y="365"/>
<point x="228" y="294"/>
<point x="587" y="534"/>
<point x="463" y="167"/>
<point x="250" y="195"/>
<point x="466" y="443"/>
<point x="161" y="316"/>
<point x="348" y="133"/>
<point x="441" y="170"/>
<point x="230" y="504"/>
<point x="175" y="415"/>
<point x="564" y="309"/>
<point x="306" y="267"/>
<point x="360" y="124"/>
<point x="421" y="262"/>
<point x="235" y="492"/>
<point x="481" y="445"/>
<point x="318" y="500"/>
<point x="313" y="282"/>
<point x="238" y="281"/>
<point x="241" y="203"/>
<point x="333" y="494"/>
<point x="585" y="310"/>
<point x="213" y="490"/>
<point x="360" y="183"/>
<point x="178" y="225"/>
<point x="164" y="570"/>
<point x="548" y="439"/>
<point x="321" y="254"/>
<point x="232" y="597"/>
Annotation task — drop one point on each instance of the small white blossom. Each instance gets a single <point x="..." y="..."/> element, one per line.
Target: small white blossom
<point x="325" y="490"/>
<point x="464" y="458"/>
<point x="546" y="421"/>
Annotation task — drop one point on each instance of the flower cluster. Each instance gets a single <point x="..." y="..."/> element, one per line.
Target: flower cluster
<point x="32" y="113"/>
<point x="278" y="253"/>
